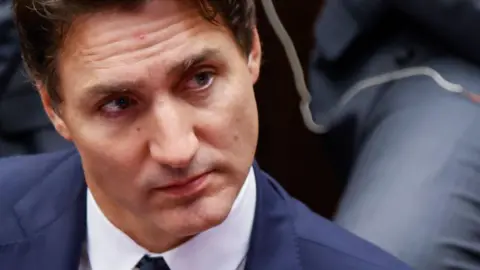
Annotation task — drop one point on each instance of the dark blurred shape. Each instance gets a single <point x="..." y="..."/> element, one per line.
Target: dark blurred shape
<point x="24" y="126"/>
<point x="286" y="149"/>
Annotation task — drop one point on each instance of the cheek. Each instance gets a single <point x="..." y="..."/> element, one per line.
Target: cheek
<point x="110" y="149"/>
<point x="233" y="123"/>
<point x="113" y="169"/>
<point x="108" y="154"/>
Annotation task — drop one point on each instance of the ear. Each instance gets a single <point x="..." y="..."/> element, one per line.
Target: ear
<point x="255" y="57"/>
<point x="54" y="113"/>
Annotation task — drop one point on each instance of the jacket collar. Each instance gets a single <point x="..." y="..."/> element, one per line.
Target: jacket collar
<point x="52" y="215"/>
<point x="56" y="209"/>
<point x="273" y="241"/>
<point x="59" y="192"/>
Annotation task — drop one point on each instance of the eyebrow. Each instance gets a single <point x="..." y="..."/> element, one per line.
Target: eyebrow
<point x="103" y="89"/>
<point x="193" y="60"/>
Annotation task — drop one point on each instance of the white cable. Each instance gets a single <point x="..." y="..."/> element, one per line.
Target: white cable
<point x="398" y="75"/>
<point x="305" y="97"/>
<point x="295" y="64"/>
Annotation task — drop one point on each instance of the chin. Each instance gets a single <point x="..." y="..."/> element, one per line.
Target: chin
<point x="199" y="218"/>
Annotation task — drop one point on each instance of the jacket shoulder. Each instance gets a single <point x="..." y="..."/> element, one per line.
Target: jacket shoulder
<point x="324" y="244"/>
<point x="18" y="175"/>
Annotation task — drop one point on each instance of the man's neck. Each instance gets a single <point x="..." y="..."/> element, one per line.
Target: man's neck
<point x="144" y="234"/>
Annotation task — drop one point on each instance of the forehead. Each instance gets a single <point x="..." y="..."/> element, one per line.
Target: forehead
<point x="119" y="43"/>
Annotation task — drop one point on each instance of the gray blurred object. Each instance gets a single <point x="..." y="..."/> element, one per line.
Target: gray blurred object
<point x="408" y="149"/>
<point x="24" y="127"/>
<point x="349" y="35"/>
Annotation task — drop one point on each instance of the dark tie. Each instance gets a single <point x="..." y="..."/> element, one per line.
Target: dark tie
<point x="149" y="263"/>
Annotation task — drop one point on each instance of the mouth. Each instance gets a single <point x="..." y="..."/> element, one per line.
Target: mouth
<point x="187" y="187"/>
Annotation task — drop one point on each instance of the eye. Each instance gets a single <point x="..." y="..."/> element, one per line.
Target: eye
<point x="118" y="105"/>
<point x="201" y="80"/>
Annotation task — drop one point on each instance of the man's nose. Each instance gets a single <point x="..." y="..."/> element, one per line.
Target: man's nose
<point x="174" y="142"/>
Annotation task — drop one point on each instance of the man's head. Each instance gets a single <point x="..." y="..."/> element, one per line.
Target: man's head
<point x="157" y="96"/>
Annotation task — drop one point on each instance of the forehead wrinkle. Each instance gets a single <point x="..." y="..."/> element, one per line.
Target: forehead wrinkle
<point x="108" y="18"/>
<point x="197" y="36"/>
<point x="170" y="49"/>
<point x="127" y="42"/>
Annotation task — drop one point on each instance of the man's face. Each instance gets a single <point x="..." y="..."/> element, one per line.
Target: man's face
<point x="160" y="105"/>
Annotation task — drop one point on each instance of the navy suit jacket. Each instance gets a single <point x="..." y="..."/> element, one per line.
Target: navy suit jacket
<point x="43" y="223"/>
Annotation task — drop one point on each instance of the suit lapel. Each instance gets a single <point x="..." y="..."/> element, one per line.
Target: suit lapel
<point x="53" y="218"/>
<point x="273" y="242"/>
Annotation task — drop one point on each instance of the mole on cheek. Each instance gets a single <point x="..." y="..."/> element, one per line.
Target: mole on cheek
<point x="138" y="129"/>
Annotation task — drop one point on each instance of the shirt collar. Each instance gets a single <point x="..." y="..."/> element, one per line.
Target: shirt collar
<point x="221" y="247"/>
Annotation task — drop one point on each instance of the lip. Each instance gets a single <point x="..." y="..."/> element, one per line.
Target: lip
<point x="187" y="187"/>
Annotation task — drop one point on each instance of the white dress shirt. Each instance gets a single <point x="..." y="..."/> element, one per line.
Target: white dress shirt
<point x="223" y="247"/>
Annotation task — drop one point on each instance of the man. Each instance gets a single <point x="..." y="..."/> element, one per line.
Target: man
<point x="158" y="98"/>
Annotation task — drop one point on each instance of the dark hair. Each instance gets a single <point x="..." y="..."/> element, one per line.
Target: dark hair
<point x="43" y="25"/>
